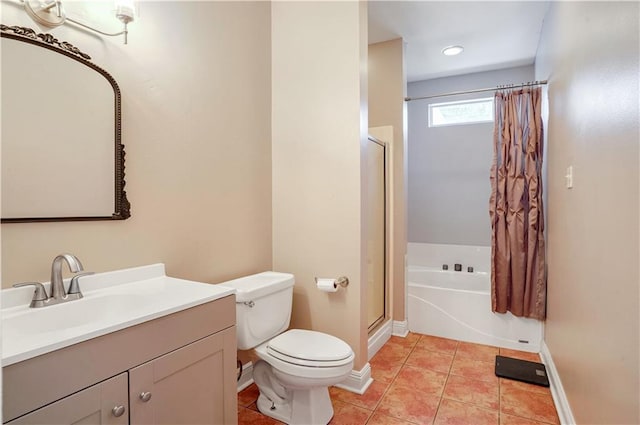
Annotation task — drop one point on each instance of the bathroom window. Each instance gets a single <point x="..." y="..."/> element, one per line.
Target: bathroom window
<point x="461" y="112"/>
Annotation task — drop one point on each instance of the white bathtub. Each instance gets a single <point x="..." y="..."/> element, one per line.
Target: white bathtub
<point x="457" y="305"/>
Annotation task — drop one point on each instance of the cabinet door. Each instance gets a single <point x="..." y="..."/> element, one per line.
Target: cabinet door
<point x="94" y="405"/>
<point x="195" y="384"/>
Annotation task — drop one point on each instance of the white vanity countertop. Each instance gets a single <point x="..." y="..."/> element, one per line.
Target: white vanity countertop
<point x="112" y="301"/>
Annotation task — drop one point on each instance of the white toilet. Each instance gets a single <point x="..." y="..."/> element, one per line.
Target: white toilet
<point x="297" y="366"/>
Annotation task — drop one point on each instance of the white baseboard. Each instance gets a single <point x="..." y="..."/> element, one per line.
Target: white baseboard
<point x="246" y="378"/>
<point x="557" y="391"/>
<point x="358" y="381"/>
<point x="400" y="328"/>
<point x="378" y="339"/>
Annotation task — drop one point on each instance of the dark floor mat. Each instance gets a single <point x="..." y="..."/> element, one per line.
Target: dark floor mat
<point x="522" y="370"/>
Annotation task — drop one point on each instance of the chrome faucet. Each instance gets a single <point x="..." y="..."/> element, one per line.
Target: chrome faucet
<point x="58" y="295"/>
<point x="57" y="287"/>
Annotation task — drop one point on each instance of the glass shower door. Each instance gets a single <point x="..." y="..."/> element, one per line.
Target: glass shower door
<point x="376" y="243"/>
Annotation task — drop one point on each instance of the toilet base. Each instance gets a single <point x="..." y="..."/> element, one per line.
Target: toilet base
<point x="281" y="412"/>
<point x="291" y="406"/>
<point x="312" y="406"/>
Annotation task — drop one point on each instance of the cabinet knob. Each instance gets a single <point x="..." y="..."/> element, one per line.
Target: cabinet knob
<point x="118" y="411"/>
<point x="145" y="396"/>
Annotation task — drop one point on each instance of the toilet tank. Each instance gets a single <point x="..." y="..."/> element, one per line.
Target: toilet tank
<point x="263" y="306"/>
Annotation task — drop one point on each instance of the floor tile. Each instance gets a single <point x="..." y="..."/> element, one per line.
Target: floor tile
<point x="522" y="355"/>
<point x="435" y="343"/>
<point x="423" y="381"/>
<point x="384" y="370"/>
<point x="433" y="360"/>
<point x="469" y="350"/>
<point x="368" y="400"/>
<point x="479" y="393"/>
<point x="455" y="413"/>
<point x="248" y="395"/>
<point x="251" y="417"/>
<point x="474" y="369"/>
<point x="523" y="386"/>
<point x="527" y="404"/>
<point x="514" y="420"/>
<point x="380" y="419"/>
<point x="409" y="405"/>
<point x="409" y="341"/>
<point x="393" y="352"/>
<point x="348" y="414"/>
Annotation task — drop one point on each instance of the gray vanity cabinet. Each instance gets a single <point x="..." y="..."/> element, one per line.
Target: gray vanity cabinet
<point x="186" y="386"/>
<point x="103" y="403"/>
<point x="176" y="369"/>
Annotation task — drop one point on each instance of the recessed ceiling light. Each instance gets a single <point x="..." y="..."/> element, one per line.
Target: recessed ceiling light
<point x="452" y="50"/>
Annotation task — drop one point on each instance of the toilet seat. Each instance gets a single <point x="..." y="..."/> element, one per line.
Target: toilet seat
<point x="335" y="359"/>
<point x="309" y="348"/>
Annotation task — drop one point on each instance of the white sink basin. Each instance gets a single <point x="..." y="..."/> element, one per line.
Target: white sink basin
<point x="112" y="301"/>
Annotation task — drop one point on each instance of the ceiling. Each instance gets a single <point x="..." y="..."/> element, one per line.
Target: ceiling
<point x="495" y="35"/>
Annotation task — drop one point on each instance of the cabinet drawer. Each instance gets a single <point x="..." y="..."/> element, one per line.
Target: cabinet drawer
<point x="94" y="405"/>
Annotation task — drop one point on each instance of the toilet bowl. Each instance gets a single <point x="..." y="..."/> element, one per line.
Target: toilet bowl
<point x="297" y="366"/>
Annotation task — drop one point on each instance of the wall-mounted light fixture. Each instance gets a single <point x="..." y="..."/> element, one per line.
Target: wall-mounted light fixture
<point x="49" y="13"/>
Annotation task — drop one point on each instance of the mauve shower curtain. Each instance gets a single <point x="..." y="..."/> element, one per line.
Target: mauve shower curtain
<point x="518" y="272"/>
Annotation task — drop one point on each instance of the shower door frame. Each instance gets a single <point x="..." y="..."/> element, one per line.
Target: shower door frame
<point x="373" y="327"/>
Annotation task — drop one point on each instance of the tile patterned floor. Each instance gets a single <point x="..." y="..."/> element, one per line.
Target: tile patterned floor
<point x="423" y="379"/>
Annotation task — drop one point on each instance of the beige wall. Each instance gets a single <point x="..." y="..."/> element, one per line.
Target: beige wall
<point x="589" y="53"/>
<point x="319" y="97"/>
<point x="387" y="90"/>
<point x="196" y="81"/>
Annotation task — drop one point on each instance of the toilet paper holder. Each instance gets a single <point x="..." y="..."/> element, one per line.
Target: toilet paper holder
<point x="343" y="281"/>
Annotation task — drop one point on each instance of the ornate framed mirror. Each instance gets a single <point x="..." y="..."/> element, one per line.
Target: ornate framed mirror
<point x="62" y="153"/>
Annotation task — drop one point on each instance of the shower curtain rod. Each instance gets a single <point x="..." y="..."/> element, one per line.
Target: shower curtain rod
<point x="454" y="93"/>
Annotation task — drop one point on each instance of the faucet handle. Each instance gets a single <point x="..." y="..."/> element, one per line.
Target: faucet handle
<point x="74" y="286"/>
<point x="39" y="295"/>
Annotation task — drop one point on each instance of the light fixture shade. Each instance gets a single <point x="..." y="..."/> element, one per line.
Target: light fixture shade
<point x="46" y="13"/>
<point x="125" y="10"/>
<point x="452" y="50"/>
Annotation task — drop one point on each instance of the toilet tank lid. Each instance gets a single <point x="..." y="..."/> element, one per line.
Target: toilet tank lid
<point x="258" y="285"/>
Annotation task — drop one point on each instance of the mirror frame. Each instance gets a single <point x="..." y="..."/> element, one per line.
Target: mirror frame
<point x="48" y="41"/>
